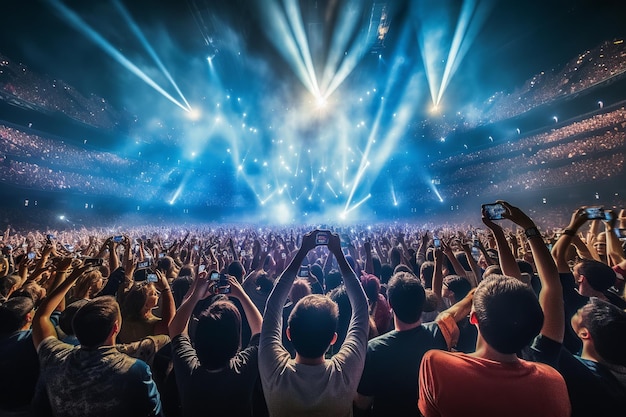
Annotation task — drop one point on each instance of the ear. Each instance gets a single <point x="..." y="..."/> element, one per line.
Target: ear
<point x="28" y="318"/>
<point x="334" y="339"/>
<point x="473" y="318"/>
<point x="288" y="330"/>
<point x="583" y="334"/>
<point x="116" y="328"/>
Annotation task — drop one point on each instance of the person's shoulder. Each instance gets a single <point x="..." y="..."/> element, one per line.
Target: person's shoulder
<point x="444" y="355"/>
<point x="383" y="339"/>
<point x="541" y="368"/>
<point x="51" y="347"/>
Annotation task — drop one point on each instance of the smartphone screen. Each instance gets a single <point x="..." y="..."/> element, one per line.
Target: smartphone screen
<point x="495" y="211"/>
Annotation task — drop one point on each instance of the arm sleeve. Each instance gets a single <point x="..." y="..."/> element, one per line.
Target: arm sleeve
<point x="426" y="402"/>
<point x="145" y="391"/>
<point x="271" y="350"/>
<point x="184" y="358"/>
<point x="353" y="350"/>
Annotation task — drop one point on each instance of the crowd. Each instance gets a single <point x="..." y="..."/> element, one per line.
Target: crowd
<point x="584" y="71"/>
<point x="17" y="81"/>
<point x="321" y="320"/>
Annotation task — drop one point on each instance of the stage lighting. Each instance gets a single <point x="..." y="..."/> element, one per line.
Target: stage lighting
<point x="321" y="102"/>
<point x="194" y="114"/>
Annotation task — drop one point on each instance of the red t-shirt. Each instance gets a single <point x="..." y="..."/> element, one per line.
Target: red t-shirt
<point x="457" y="384"/>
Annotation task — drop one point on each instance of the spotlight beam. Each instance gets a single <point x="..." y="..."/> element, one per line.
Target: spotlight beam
<point x="367" y="197"/>
<point x="294" y="16"/>
<point x="74" y="20"/>
<point x="284" y="40"/>
<point x="133" y="26"/>
<point x="471" y="20"/>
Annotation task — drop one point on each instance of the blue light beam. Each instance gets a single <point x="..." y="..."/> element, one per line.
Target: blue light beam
<point x="74" y="20"/>
<point x="133" y="26"/>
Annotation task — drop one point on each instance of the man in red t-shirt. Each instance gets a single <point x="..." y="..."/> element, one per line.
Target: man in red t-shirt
<point x="493" y="381"/>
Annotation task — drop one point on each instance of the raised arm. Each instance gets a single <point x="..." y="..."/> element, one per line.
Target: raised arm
<point x="559" y="251"/>
<point x="508" y="264"/>
<point x="42" y="326"/>
<point x="198" y="291"/>
<point x="614" y="250"/>
<point x="447" y="250"/>
<point x="356" y="337"/>
<point x="438" y="278"/>
<point x="168" y="308"/>
<point x="271" y="349"/>
<point x="253" y="315"/>
<point x="551" y="295"/>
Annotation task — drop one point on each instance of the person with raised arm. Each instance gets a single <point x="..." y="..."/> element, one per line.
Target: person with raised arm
<point x="311" y="385"/>
<point x="508" y="317"/>
<point x="213" y="374"/>
<point x="94" y="378"/>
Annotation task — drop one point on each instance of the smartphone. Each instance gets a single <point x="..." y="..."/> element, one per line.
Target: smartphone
<point x="322" y="237"/>
<point x="50" y="237"/>
<point x="161" y="255"/>
<point x="201" y="268"/>
<point x="621" y="233"/>
<point x="31" y="255"/>
<point x="221" y="283"/>
<point x="304" y="271"/>
<point x="283" y="255"/>
<point x="151" y="277"/>
<point x="437" y="243"/>
<point x="476" y="243"/>
<point x="494" y="211"/>
<point x="118" y="239"/>
<point x="93" y="261"/>
<point x="143" y="264"/>
<point x="595" y="213"/>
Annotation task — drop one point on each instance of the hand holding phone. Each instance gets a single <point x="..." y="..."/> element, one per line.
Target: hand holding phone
<point x="494" y="211"/>
<point x="322" y="237"/>
<point x="595" y="213"/>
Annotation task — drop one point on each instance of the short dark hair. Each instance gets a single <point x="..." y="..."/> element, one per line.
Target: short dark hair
<point x="264" y="282"/>
<point x="508" y="312"/>
<point x="333" y="280"/>
<point x="406" y="297"/>
<point x="67" y="316"/>
<point x="165" y="263"/>
<point x="427" y="270"/>
<point x="312" y="324"/>
<point x="13" y="314"/>
<point x="299" y="289"/>
<point x="218" y="334"/>
<point x="94" y="321"/>
<point x="607" y="326"/>
<point x="460" y="286"/>
<point x="600" y="276"/>
<point x="236" y="269"/>
<point x="386" y="272"/>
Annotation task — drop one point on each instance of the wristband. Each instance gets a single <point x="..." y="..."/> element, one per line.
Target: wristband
<point x="568" y="232"/>
<point x="532" y="232"/>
